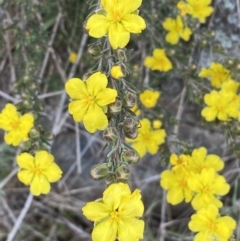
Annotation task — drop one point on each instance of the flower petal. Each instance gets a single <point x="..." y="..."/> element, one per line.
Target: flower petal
<point x="25" y="161"/>
<point x="106" y="97"/>
<point x="78" y="108"/>
<point x="140" y="147"/>
<point x="105" y="231"/>
<point x="95" y="119"/>
<point x="25" y="176"/>
<point x="114" y="193"/>
<point x="96" y="83"/>
<point x="175" y="195"/>
<point x="43" y="159"/>
<point x="131" y="205"/>
<point x="76" y="88"/>
<point x="172" y="37"/>
<point x="130" y="229"/>
<point x="39" y="185"/>
<point x="133" y="23"/>
<point x="96" y="211"/>
<point x="118" y="36"/>
<point x="98" y="25"/>
<point x="52" y="172"/>
<point x="129" y="6"/>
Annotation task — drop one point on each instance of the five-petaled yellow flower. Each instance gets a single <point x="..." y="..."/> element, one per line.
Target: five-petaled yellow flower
<point x="117" y="19"/>
<point x="117" y="214"/>
<point x="176" y="30"/>
<point x="200" y="9"/>
<point x="89" y="100"/>
<point x="210" y="225"/>
<point x="148" y="140"/>
<point x="38" y="171"/>
<point x="216" y="73"/>
<point x="149" y="98"/>
<point x="222" y="105"/>
<point x="207" y="186"/>
<point x="159" y="61"/>
<point x="16" y="126"/>
<point x="175" y="182"/>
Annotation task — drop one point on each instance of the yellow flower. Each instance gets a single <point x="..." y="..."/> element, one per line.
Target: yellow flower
<point x="200" y="9"/>
<point x="175" y="182"/>
<point x="200" y="161"/>
<point x="136" y="110"/>
<point x="216" y="73"/>
<point x="157" y="124"/>
<point x="89" y="100"/>
<point x="148" y="140"/>
<point x="207" y="185"/>
<point x="183" y="7"/>
<point x="230" y="85"/>
<point x="176" y="30"/>
<point x="159" y="61"/>
<point x="210" y="225"/>
<point x="38" y="171"/>
<point x="72" y="57"/>
<point x="181" y="161"/>
<point x="149" y="98"/>
<point x="117" y="19"/>
<point x="117" y="214"/>
<point x="116" y="72"/>
<point x="221" y="105"/>
<point x="16" y="126"/>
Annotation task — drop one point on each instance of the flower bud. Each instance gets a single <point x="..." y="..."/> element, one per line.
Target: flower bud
<point x="116" y="72"/>
<point x="130" y="128"/>
<point x="48" y="135"/>
<point x="130" y="100"/>
<point x="157" y="124"/>
<point x="115" y="107"/>
<point x="130" y="156"/>
<point x="123" y="172"/>
<point x="110" y="134"/>
<point x="110" y="179"/>
<point x="99" y="171"/>
<point x="26" y="145"/>
<point x="34" y="133"/>
<point x="121" y="55"/>
<point x="94" y="50"/>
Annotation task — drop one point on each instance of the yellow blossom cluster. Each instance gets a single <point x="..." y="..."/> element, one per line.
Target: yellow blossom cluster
<point x="225" y="103"/>
<point x="117" y="214"/>
<point x="194" y="178"/>
<point x="37" y="171"/>
<point x="199" y="9"/>
<point x="148" y="139"/>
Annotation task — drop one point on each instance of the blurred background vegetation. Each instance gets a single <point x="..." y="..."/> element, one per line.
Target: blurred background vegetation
<point x="36" y="40"/>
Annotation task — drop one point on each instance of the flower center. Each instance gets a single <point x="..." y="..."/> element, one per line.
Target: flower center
<point x="116" y="16"/>
<point x="197" y="7"/>
<point x="36" y="171"/>
<point x="182" y="183"/>
<point x="15" y="124"/>
<point x="221" y="107"/>
<point x="211" y="226"/>
<point x="114" y="216"/>
<point x="89" y="100"/>
<point x="206" y="190"/>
